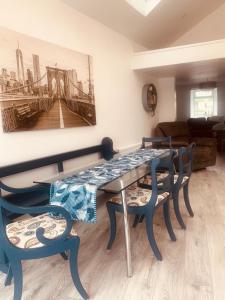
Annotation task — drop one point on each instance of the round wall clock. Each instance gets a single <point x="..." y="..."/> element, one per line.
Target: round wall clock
<point x="149" y="98"/>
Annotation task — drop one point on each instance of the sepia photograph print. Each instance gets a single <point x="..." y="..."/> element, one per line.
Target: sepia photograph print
<point x="43" y="86"/>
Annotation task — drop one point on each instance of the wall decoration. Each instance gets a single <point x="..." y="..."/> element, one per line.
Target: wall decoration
<point x="43" y="85"/>
<point x="149" y="98"/>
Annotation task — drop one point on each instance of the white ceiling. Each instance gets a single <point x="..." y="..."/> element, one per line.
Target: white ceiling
<point x="164" y="25"/>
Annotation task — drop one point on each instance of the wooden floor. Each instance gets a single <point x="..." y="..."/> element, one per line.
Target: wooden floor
<point x="193" y="267"/>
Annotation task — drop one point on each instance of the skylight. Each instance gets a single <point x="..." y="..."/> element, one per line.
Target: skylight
<point x="144" y="7"/>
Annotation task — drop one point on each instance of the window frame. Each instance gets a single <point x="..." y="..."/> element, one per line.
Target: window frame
<point x="193" y="113"/>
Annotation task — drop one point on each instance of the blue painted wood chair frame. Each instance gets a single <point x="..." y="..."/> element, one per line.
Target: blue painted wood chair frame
<point x="149" y="209"/>
<point x="4" y="265"/>
<point x="64" y="242"/>
<point x="160" y="141"/>
<point x="166" y="141"/>
<point x="185" y="156"/>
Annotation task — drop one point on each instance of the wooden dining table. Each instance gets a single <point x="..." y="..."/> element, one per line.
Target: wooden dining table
<point x="116" y="186"/>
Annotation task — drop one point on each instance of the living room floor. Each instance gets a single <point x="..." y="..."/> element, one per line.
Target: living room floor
<point x="193" y="267"/>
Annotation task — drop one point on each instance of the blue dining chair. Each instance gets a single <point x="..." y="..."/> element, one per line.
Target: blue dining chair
<point x="144" y="202"/>
<point x="41" y="236"/>
<point x="182" y="180"/>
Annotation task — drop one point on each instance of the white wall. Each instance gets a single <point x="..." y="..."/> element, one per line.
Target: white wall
<point x="119" y="110"/>
<point x="166" y="99"/>
<point x="209" y="29"/>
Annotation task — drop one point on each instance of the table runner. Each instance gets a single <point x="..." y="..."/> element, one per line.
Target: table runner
<point x="77" y="193"/>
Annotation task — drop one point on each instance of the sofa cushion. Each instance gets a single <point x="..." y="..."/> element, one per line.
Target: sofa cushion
<point x="200" y="127"/>
<point x="196" y="122"/>
<point x="174" y="129"/>
<point x="216" y="119"/>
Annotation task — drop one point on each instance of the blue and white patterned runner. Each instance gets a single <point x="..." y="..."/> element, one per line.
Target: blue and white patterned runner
<point x="77" y="193"/>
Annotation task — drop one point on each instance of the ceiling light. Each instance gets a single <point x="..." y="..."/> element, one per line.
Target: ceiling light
<point x="144" y="7"/>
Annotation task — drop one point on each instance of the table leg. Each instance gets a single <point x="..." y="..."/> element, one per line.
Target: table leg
<point x="127" y="235"/>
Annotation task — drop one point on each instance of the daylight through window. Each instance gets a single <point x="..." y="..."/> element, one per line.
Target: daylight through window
<point x="203" y="103"/>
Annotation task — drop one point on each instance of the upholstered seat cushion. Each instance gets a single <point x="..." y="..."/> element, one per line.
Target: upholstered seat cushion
<point x="33" y="198"/>
<point x="136" y="196"/>
<point x="185" y="178"/>
<point x="23" y="233"/>
<point x="148" y="180"/>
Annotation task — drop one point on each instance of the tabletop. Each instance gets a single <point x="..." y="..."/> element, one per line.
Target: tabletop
<point x="121" y="173"/>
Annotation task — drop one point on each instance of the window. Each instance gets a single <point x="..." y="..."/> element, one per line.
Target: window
<point x="144" y="7"/>
<point x="204" y="103"/>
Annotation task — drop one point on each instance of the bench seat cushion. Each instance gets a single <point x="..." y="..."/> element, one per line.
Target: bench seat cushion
<point x="22" y="234"/>
<point x="33" y="198"/>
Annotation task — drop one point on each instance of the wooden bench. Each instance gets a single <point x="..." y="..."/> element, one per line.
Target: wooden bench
<point x="38" y="196"/>
<point x="24" y="113"/>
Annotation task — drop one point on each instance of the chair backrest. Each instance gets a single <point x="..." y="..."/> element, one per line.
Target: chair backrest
<point x="166" y="184"/>
<point x="156" y="142"/>
<point x="186" y="160"/>
<point x="166" y="165"/>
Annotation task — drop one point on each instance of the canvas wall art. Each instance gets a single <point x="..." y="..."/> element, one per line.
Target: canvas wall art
<point x="43" y="86"/>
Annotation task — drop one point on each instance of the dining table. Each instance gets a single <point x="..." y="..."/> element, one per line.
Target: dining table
<point x="112" y="177"/>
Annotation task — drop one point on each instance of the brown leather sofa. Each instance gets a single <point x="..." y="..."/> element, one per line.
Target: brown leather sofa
<point x="204" y="154"/>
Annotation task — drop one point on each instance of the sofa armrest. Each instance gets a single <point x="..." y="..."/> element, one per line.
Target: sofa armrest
<point x="202" y="141"/>
<point x="178" y="144"/>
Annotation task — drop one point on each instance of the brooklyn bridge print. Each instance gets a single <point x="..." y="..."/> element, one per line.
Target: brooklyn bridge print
<point x="43" y="85"/>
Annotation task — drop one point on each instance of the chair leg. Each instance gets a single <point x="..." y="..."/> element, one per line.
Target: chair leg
<point x="136" y="221"/>
<point x="186" y="200"/>
<point x="166" y="214"/>
<point x="141" y="219"/>
<point x="9" y="277"/>
<point x="151" y="237"/>
<point x="64" y="255"/>
<point x="74" y="270"/>
<point x="177" y="210"/>
<point x="112" y="219"/>
<point x="18" y="278"/>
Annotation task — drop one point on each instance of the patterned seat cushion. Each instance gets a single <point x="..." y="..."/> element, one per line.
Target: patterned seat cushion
<point x="185" y="178"/>
<point x="160" y="177"/>
<point x="22" y="233"/>
<point x="148" y="178"/>
<point x="136" y="196"/>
